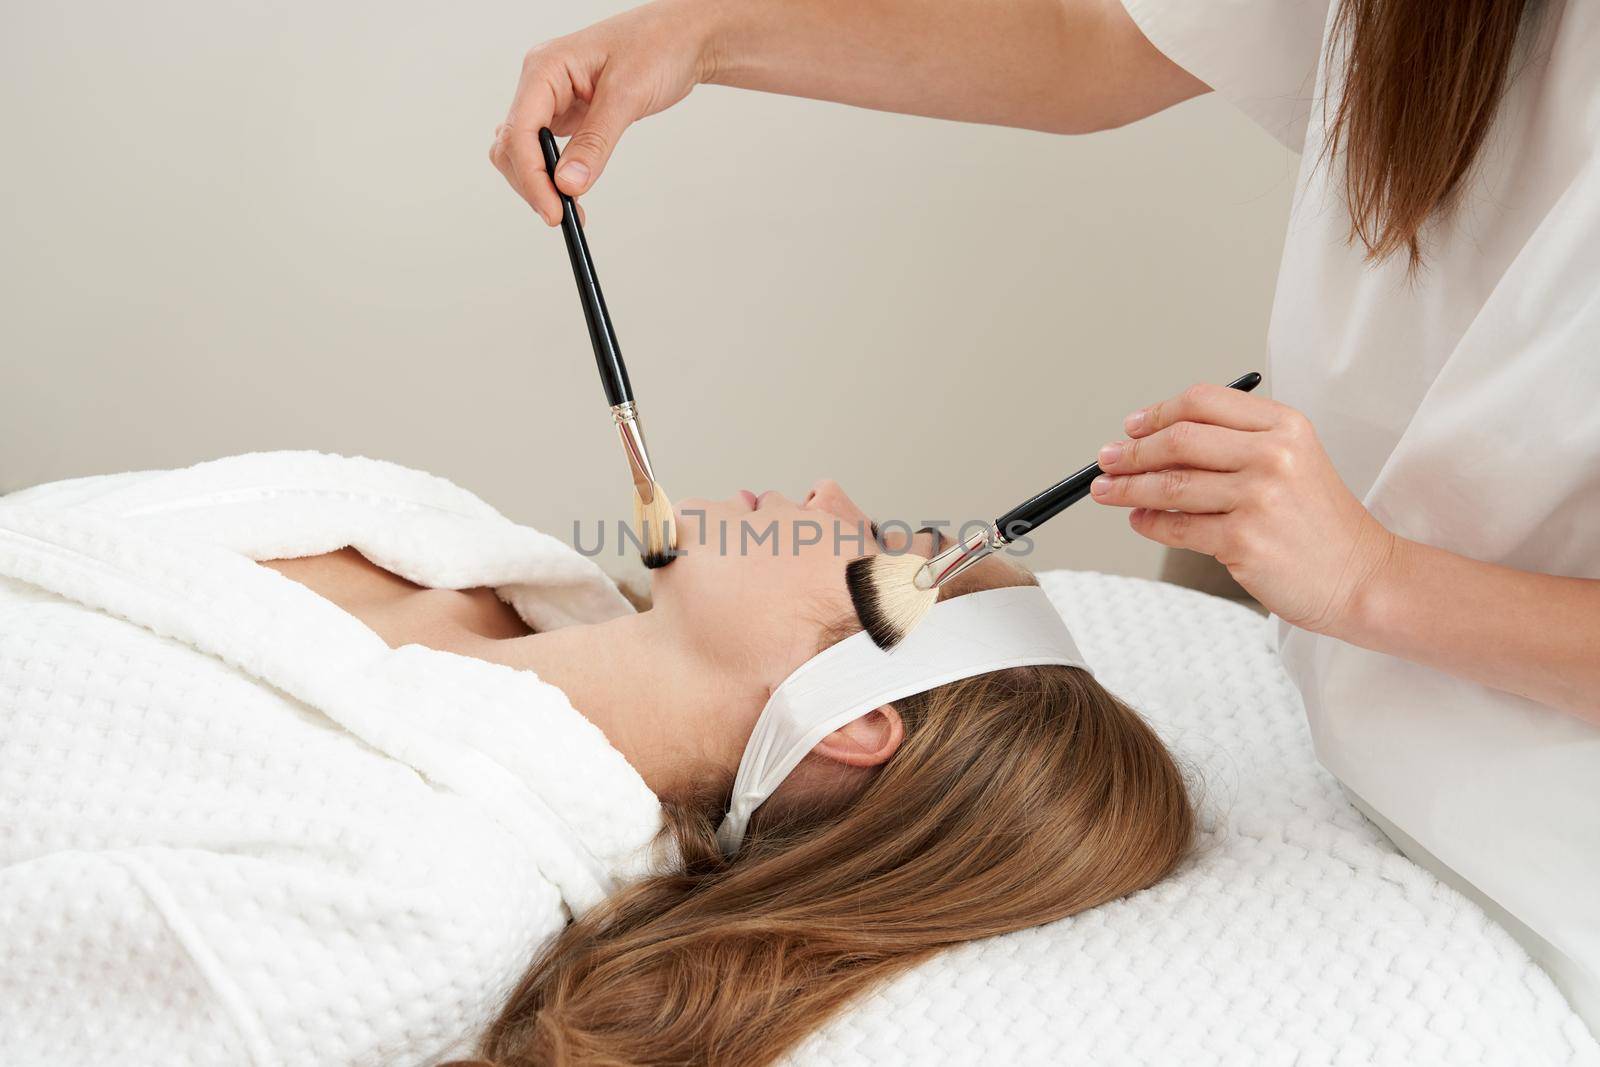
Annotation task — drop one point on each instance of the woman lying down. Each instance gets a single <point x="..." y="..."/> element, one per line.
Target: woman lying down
<point x="306" y="759"/>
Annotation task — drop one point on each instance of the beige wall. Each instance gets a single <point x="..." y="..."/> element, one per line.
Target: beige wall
<point x="234" y="227"/>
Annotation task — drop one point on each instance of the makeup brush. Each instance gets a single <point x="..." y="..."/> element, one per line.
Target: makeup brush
<point x="892" y="593"/>
<point x="652" y="511"/>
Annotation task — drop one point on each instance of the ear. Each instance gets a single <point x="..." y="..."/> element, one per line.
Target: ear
<point x="867" y="741"/>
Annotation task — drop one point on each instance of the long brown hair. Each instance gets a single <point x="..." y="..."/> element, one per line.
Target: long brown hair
<point x="1016" y="798"/>
<point x="1422" y="82"/>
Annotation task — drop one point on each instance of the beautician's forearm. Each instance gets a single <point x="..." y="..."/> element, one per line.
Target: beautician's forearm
<point x="1065" y="66"/>
<point x="1536" y="635"/>
<point x="1068" y="66"/>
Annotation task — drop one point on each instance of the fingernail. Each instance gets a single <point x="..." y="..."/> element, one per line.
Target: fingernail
<point x="573" y="174"/>
<point x="1100" y="486"/>
<point x="1133" y="422"/>
<point x="1111" y="453"/>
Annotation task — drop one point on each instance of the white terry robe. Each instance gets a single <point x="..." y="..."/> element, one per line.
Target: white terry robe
<point x="237" y="827"/>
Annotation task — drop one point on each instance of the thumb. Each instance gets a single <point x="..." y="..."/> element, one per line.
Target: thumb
<point x="587" y="150"/>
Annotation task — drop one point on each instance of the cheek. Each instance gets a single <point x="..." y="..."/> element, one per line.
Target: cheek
<point x="818" y="580"/>
<point x="711" y="587"/>
<point x="756" y="598"/>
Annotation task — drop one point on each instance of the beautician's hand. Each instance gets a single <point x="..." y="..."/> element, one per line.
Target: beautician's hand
<point x="592" y="85"/>
<point x="1244" y="479"/>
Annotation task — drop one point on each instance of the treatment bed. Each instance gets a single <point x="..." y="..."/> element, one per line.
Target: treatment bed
<point x="144" y="695"/>
<point x="1297" y="934"/>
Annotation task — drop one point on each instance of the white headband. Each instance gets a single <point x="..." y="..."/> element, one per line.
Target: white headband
<point x="961" y="637"/>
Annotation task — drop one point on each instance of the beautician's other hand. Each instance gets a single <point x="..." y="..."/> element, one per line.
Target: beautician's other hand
<point x="592" y="85"/>
<point x="1244" y="479"/>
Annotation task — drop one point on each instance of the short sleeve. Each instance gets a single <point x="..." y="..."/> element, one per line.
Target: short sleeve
<point x="1261" y="55"/>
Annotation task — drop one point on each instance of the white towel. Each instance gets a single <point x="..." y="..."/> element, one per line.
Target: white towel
<point x="235" y="826"/>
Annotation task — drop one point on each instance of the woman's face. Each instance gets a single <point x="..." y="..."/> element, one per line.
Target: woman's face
<point x="762" y="576"/>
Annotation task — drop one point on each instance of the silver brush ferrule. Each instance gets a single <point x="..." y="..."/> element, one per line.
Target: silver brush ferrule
<point x="958" y="557"/>
<point x="626" y="417"/>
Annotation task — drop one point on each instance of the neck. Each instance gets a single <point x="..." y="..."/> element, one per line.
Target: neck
<point x="671" y="713"/>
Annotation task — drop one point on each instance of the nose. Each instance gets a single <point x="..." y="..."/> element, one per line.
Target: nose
<point x="821" y="490"/>
<point x="826" y="495"/>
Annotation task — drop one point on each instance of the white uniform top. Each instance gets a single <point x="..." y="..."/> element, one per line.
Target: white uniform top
<point x="1464" y="410"/>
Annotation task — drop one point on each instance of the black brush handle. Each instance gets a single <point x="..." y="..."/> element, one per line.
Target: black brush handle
<point x="607" y="353"/>
<point x="1040" y="509"/>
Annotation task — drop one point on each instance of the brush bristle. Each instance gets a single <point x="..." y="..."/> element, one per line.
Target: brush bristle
<point x="658" y="528"/>
<point x="885" y="595"/>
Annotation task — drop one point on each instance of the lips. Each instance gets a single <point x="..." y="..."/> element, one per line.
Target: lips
<point x="750" y="498"/>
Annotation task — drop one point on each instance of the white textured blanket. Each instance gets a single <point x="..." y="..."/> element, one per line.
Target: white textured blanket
<point x="236" y="827"/>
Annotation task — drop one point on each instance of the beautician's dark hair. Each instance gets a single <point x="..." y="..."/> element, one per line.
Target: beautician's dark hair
<point x="1016" y="798"/>
<point x="1422" y="82"/>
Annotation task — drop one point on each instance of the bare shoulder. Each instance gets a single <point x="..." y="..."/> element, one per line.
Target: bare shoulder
<point x="346" y="577"/>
